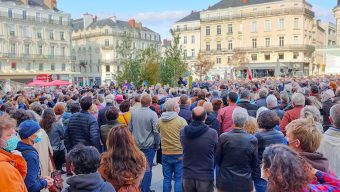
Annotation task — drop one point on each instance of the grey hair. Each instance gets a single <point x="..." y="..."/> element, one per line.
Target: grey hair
<point x="170" y="104"/>
<point x="260" y="110"/>
<point x="263" y="93"/>
<point x="298" y="99"/>
<point x="240" y="117"/>
<point x="208" y="106"/>
<point x="334" y="114"/>
<point x="271" y="101"/>
<point x="312" y="112"/>
<point x="284" y="96"/>
<point x="288" y="88"/>
<point x="101" y="98"/>
<point x="245" y="94"/>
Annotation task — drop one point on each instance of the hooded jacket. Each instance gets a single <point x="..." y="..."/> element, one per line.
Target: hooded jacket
<point x="169" y="126"/>
<point x="13" y="171"/>
<point x="317" y="160"/>
<point x="212" y="122"/>
<point x="92" y="182"/>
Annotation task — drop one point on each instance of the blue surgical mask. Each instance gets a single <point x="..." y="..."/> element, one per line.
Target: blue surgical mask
<point x="38" y="138"/>
<point x="11" y="143"/>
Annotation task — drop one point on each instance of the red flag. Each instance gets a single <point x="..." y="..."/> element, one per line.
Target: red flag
<point x="250" y="78"/>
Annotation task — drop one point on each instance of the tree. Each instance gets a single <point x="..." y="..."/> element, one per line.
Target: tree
<point x="203" y="66"/>
<point x="172" y="66"/>
<point x="150" y="69"/>
<point x="239" y="58"/>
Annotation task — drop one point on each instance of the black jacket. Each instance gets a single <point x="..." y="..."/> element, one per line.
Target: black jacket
<point x="237" y="157"/>
<point x="101" y="115"/>
<point x="82" y="128"/>
<point x="92" y="182"/>
<point x="185" y="113"/>
<point x="326" y="107"/>
<point x="251" y="108"/>
<point x="212" y="122"/>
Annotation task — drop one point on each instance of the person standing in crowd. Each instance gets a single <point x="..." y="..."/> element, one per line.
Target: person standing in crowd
<point x="125" y="114"/>
<point x="83" y="127"/>
<point x="184" y="108"/>
<point x="245" y="103"/>
<point x="143" y="127"/>
<point x="137" y="102"/>
<point x="30" y="133"/>
<point x="298" y="101"/>
<point x="267" y="136"/>
<point x="199" y="145"/>
<point x="233" y="146"/>
<point x="200" y="97"/>
<point x="261" y="102"/>
<point x="327" y="103"/>
<point x="55" y="132"/>
<point x="217" y="105"/>
<point x="21" y="103"/>
<point x="123" y="165"/>
<point x="313" y="113"/>
<point x="109" y="99"/>
<point x="59" y="110"/>
<point x="85" y="161"/>
<point x="285" y="170"/>
<point x="13" y="166"/>
<point x="157" y="108"/>
<point x="111" y="116"/>
<point x="211" y="120"/>
<point x="272" y="104"/>
<point x="330" y="144"/>
<point x="251" y="126"/>
<point x="169" y="126"/>
<point x="284" y="97"/>
<point x="224" y="116"/>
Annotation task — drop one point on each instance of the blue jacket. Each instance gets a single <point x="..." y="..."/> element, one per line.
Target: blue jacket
<point x="212" y="122"/>
<point x="82" y="128"/>
<point x="278" y="112"/>
<point x="185" y="113"/>
<point x="261" y="102"/>
<point x="33" y="181"/>
<point x="101" y="115"/>
<point x="22" y="106"/>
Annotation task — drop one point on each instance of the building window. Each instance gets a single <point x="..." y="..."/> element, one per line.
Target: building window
<point x="219" y="46"/>
<point x="218" y="60"/>
<point x="230" y="28"/>
<point x="62" y="50"/>
<point x="13" y="50"/>
<point x="107" y="68"/>
<point x="52" y="52"/>
<point x="267" y="57"/>
<point x="219" y="30"/>
<point x="39" y="36"/>
<point x="295" y="55"/>
<point x="267" y="42"/>
<point x="185" y="53"/>
<point x="28" y="67"/>
<point x="185" y="40"/>
<point x="296" y="23"/>
<point x="193" y="39"/>
<point x="192" y="52"/>
<point x="282" y="41"/>
<point x="10" y="13"/>
<point x="14" y="65"/>
<point x="41" y="67"/>
<point x="38" y="17"/>
<point x="282" y="24"/>
<point x="24" y="14"/>
<point x="281" y="56"/>
<point x="63" y="67"/>
<point x="27" y="49"/>
<point x="254" y="42"/>
<point x="229" y="59"/>
<point x="207" y="31"/>
<point x="62" y="36"/>
<point x="207" y="46"/>
<point x="177" y="28"/>
<point x="185" y="27"/>
<point x="40" y="50"/>
<point x="25" y="31"/>
<point x="11" y="28"/>
<point x="106" y="31"/>
<point x="230" y="45"/>
<point x="50" y="19"/>
<point x="254" y="57"/>
<point x="107" y="43"/>
<point x="51" y="35"/>
<point x="268" y="25"/>
<point x="60" y="20"/>
<point x="254" y="27"/>
<point x="296" y="39"/>
<point x="52" y="67"/>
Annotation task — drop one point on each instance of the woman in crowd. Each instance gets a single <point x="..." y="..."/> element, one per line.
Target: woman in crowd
<point x="156" y="107"/>
<point x="124" y="164"/>
<point x="55" y="132"/>
<point x="21" y="103"/>
<point x="251" y="126"/>
<point x="59" y="110"/>
<point x="94" y="111"/>
<point x="111" y="116"/>
<point x="312" y="112"/>
<point x="125" y="113"/>
<point x="286" y="171"/>
<point x="217" y="105"/>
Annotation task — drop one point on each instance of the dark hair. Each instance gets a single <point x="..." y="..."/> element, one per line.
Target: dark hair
<point x="183" y="99"/>
<point x="288" y="170"/>
<point x="124" y="106"/>
<point x="245" y="94"/>
<point x="111" y="114"/>
<point x="216" y="103"/>
<point x="85" y="160"/>
<point x="201" y="95"/>
<point x="200" y="117"/>
<point x="74" y="107"/>
<point x="82" y="92"/>
<point x="155" y="99"/>
<point x="86" y="103"/>
<point x="233" y="97"/>
<point x="37" y="109"/>
<point x="268" y="119"/>
<point x="21" y="115"/>
<point x="4" y="107"/>
<point x="48" y="118"/>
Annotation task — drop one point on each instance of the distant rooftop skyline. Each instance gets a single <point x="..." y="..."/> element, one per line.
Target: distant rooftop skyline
<point x="161" y="15"/>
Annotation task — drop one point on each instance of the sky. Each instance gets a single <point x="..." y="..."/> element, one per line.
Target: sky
<point x="160" y="15"/>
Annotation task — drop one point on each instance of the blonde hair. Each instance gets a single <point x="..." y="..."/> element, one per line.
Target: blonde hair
<point x="306" y="131"/>
<point x="251" y="126"/>
<point x="93" y="109"/>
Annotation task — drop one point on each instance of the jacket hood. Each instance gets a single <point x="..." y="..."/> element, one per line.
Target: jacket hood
<point x="67" y="115"/>
<point x="87" y="182"/>
<point x="17" y="161"/>
<point x="168" y="116"/>
<point x="195" y="129"/>
<point x="23" y="147"/>
<point x="210" y="119"/>
<point x="317" y="160"/>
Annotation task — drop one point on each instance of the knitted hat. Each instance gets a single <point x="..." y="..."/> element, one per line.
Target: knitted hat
<point x="28" y="128"/>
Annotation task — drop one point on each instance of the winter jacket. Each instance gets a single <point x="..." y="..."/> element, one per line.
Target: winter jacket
<point x="82" y="128"/>
<point x="185" y="113"/>
<point x="101" y="115"/>
<point x="324" y="183"/>
<point x="290" y="116"/>
<point x="317" y="160"/>
<point x="169" y="126"/>
<point x="325" y="112"/>
<point x="278" y="112"/>
<point x="261" y="102"/>
<point x="66" y="118"/>
<point x="92" y="182"/>
<point x="33" y="180"/>
<point x="251" y="108"/>
<point x="22" y="106"/>
<point x="199" y="146"/>
<point x="237" y="158"/>
<point x="105" y="129"/>
<point x="13" y="171"/>
<point x="56" y="136"/>
<point x="224" y="118"/>
<point x="212" y="122"/>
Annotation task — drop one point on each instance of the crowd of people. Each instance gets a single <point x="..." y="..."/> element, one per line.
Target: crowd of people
<point x="275" y="135"/>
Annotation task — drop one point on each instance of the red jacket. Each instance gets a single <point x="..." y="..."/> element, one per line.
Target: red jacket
<point x="225" y="119"/>
<point x="290" y="116"/>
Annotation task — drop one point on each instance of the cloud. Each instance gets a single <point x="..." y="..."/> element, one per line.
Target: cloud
<point x="323" y="13"/>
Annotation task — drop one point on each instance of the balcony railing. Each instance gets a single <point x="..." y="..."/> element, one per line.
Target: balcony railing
<point x="257" y="49"/>
<point x="34" y="57"/>
<point x="290" y="11"/>
<point x="107" y="47"/>
<point x="186" y="29"/>
<point x="32" y="19"/>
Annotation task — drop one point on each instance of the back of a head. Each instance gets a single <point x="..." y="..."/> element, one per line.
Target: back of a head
<point x="74" y="107"/>
<point x="240" y="116"/>
<point x="334" y="115"/>
<point x="284" y="96"/>
<point x="251" y="126"/>
<point x="217" y="104"/>
<point x="124" y="106"/>
<point x="232" y="96"/>
<point x="85" y="159"/>
<point x="86" y="103"/>
<point x="298" y="99"/>
<point x="183" y="99"/>
<point x="260" y="110"/>
<point x="245" y="94"/>
<point x="199" y="114"/>
<point x="145" y="100"/>
<point x="208" y="107"/>
<point x="109" y="98"/>
<point x="171" y="105"/>
<point x="311" y="111"/>
<point x="111" y="113"/>
<point x="268" y="120"/>
<point x="271" y="101"/>
<point x="263" y="93"/>
<point x="201" y="95"/>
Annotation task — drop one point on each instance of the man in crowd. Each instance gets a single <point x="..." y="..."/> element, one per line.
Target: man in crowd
<point x="272" y="104"/>
<point x="245" y="103"/>
<point x="224" y="116"/>
<point x="109" y="99"/>
<point x="298" y="101"/>
<point x="184" y="108"/>
<point x="261" y="102"/>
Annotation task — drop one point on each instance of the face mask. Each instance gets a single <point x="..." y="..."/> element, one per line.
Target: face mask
<point x="38" y="138"/>
<point x="11" y="143"/>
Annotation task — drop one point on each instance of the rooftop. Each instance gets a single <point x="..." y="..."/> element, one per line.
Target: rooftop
<point x="32" y="3"/>
<point x="238" y="3"/>
<point x="194" y="16"/>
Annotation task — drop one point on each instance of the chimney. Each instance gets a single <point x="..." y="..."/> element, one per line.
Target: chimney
<point x="139" y="25"/>
<point x="25" y="2"/>
<point x="245" y="1"/>
<point x="88" y="20"/>
<point x="132" y="23"/>
<point x="51" y="4"/>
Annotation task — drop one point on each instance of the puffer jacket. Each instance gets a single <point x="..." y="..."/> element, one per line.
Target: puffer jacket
<point x="82" y="128"/>
<point x="251" y="108"/>
<point x="92" y="182"/>
<point x="105" y="129"/>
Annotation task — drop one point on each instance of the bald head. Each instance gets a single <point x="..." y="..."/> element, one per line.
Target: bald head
<point x="199" y="114"/>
